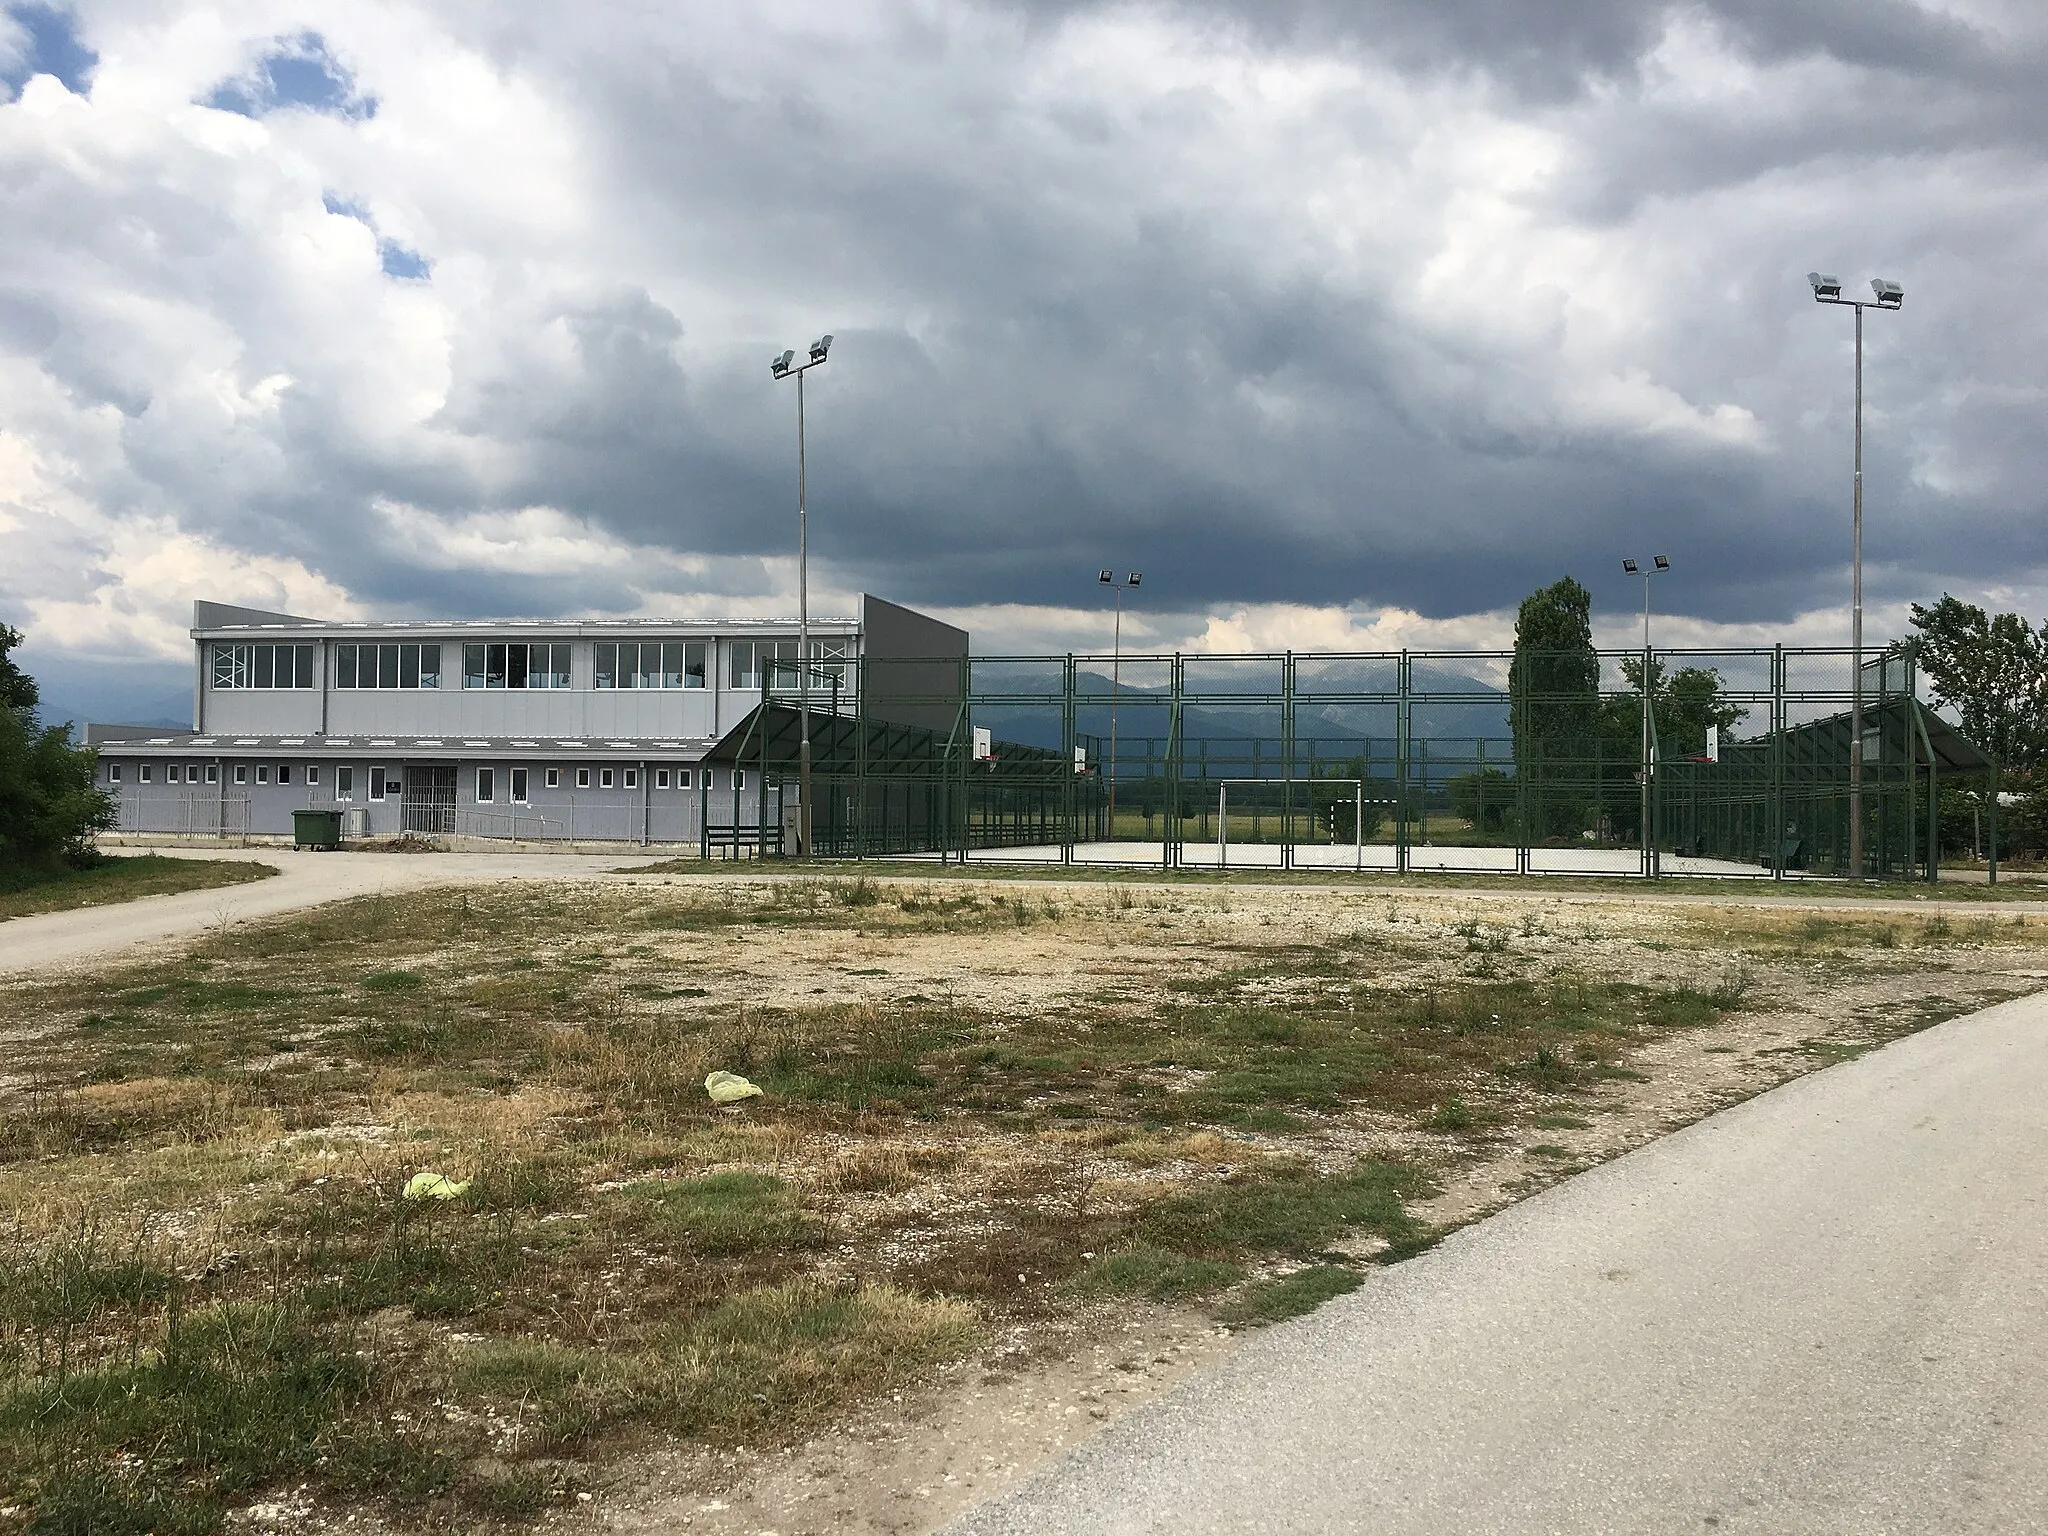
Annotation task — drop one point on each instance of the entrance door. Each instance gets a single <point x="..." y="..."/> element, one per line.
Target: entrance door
<point x="429" y="804"/>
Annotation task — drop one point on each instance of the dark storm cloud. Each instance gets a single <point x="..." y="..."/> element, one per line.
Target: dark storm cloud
<point x="1406" y="304"/>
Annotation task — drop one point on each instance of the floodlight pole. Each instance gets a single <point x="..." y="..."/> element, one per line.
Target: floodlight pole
<point x="1827" y="290"/>
<point x="1116" y="657"/>
<point x="1658" y="566"/>
<point x="782" y="368"/>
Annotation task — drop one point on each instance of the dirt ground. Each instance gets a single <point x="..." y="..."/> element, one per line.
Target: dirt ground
<point x="1079" y="1094"/>
<point x="907" y="1469"/>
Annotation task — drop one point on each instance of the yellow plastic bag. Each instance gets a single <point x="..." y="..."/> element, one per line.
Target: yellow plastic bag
<point x="729" y="1088"/>
<point x="433" y="1186"/>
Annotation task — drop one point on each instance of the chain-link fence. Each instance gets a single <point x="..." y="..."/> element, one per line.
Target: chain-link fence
<point x="1471" y="761"/>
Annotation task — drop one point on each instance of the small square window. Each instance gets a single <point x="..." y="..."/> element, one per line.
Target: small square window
<point x="486" y="785"/>
<point x="377" y="782"/>
<point x="312" y="773"/>
<point x="661" y="778"/>
<point x="604" y="778"/>
<point x="583" y="778"/>
<point x="519" y="786"/>
<point x="191" y="773"/>
<point x="344" y="781"/>
<point x="739" y="778"/>
<point x="284" y="773"/>
<point x="263" y="773"/>
<point x="241" y="773"/>
<point x="142" y="773"/>
<point x="213" y="773"/>
<point x="113" y="773"/>
<point x="554" y="778"/>
<point x="632" y="778"/>
<point x="171" y="773"/>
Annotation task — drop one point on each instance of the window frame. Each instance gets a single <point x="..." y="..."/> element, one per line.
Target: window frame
<point x="486" y="784"/>
<point x="519" y="785"/>
<point x="344" y="781"/>
<point x="376" y="781"/>
<point x="583" y="778"/>
<point x="553" y="779"/>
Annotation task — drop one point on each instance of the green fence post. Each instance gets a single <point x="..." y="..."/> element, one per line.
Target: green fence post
<point x="1401" y="766"/>
<point x="1169" y="848"/>
<point x="1069" y="740"/>
<point x="1287" y="761"/>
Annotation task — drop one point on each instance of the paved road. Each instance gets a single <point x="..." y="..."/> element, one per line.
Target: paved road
<point x="52" y="939"/>
<point x="1825" y="1311"/>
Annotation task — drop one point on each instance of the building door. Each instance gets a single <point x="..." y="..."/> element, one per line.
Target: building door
<point x="429" y="804"/>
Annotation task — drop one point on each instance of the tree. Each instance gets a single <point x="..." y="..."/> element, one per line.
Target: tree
<point x="50" y="807"/>
<point x="1554" y="701"/>
<point x="1484" y="797"/>
<point x="1683" y="704"/>
<point x="18" y="690"/>
<point x="1993" y="672"/>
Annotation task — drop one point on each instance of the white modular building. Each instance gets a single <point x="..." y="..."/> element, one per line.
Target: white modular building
<point x="521" y="730"/>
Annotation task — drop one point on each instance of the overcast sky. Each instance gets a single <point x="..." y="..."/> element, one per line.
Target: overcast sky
<point x="1347" y="323"/>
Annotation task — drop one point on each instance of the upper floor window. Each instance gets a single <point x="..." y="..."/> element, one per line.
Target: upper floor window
<point x="515" y="664"/>
<point x="387" y="665"/>
<point x="650" y="664"/>
<point x="262" y="666"/>
<point x="751" y="659"/>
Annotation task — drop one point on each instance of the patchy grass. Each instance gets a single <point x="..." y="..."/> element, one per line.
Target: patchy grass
<point x="1275" y="1301"/>
<point x="985" y="1108"/>
<point x="122" y="878"/>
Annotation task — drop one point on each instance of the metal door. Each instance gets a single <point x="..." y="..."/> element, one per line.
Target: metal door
<point x="428" y="806"/>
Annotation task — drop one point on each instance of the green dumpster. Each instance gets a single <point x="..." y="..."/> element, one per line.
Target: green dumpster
<point x="316" y="829"/>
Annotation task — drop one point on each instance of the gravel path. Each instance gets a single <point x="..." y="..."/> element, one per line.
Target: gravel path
<point x="1821" y="1311"/>
<point x="50" y="940"/>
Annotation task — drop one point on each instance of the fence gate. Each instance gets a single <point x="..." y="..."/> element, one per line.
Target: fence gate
<point x="429" y="804"/>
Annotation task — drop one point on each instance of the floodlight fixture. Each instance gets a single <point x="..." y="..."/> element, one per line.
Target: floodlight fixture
<point x="1826" y="288"/>
<point x="1136" y="578"/>
<point x="819" y="348"/>
<point x="781" y="364"/>
<point x="1105" y="578"/>
<point x="1630" y="567"/>
<point x="1662" y="563"/>
<point x="1889" y="293"/>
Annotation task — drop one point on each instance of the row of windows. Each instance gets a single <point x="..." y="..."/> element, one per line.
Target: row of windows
<point x="395" y="665"/>
<point x="263" y="666"/>
<point x="378" y="785"/>
<point x="521" y="664"/>
<point x="517" y="664"/>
